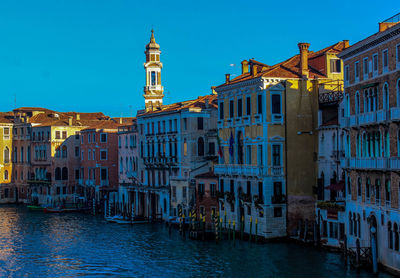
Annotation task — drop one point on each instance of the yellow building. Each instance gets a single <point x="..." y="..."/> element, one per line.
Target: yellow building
<point x="268" y="119"/>
<point x="7" y="193"/>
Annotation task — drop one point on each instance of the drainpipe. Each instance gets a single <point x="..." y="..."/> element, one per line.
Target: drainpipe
<point x="286" y="170"/>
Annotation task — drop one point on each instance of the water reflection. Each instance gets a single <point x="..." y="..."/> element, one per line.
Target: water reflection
<point x="33" y="244"/>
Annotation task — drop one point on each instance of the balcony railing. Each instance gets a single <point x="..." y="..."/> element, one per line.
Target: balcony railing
<point x="379" y="163"/>
<point x="353" y="120"/>
<point x="382" y="116"/>
<point x="235" y="169"/>
<point x="394" y="163"/>
<point x="344" y="122"/>
<point x="367" y="118"/>
<point x="395" y="114"/>
<point x="345" y="162"/>
<point x="278" y="199"/>
<point x="276" y="171"/>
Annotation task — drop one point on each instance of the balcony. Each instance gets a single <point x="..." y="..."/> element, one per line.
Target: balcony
<point x="367" y="118"/>
<point x="344" y="122"/>
<point x="276" y="171"/>
<point x="258" y="119"/>
<point x="238" y="170"/>
<point x="344" y="162"/>
<point x="382" y="116"/>
<point x="246" y="120"/>
<point x="353" y="120"/>
<point x="394" y="163"/>
<point x="395" y="114"/>
<point x="379" y="163"/>
<point x="104" y="183"/>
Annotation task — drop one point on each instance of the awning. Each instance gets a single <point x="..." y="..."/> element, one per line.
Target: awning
<point x="339" y="186"/>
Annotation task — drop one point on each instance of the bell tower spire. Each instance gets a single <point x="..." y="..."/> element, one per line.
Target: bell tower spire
<point x="153" y="91"/>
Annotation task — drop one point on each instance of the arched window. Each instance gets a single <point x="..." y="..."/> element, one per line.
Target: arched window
<point x="64" y="173"/>
<point x="130" y="164"/>
<point x="387" y="144"/>
<point x="359" y="225"/>
<point x="367" y="189"/>
<point x="396" y="237"/>
<point x="357" y="103"/>
<point x="377" y="190"/>
<point x="359" y="187"/>
<point x="64" y="151"/>
<point x="387" y="191"/>
<point x="390" y="235"/>
<point x="386" y="96"/>
<point x="349" y="186"/>
<point x="355" y="224"/>
<point x="200" y="146"/>
<point x="398" y="91"/>
<point x="350" y="223"/>
<point x="240" y="147"/>
<point x="121" y="165"/>
<point x="365" y="101"/>
<point x="347" y="114"/>
<point x="6" y="155"/>
<point x="57" y="174"/>
<point x="126" y="162"/>
<point x="6" y="175"/>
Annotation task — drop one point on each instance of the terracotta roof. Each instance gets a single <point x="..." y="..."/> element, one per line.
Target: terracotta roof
<point x="103" y="125"/>
<point x="208" y="175"/>
<point x="125" y="120"/>
<point x="199" y="102"/>
<point x="289" y="68"/>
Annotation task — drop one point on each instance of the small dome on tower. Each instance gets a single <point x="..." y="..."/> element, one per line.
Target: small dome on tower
<point x="152" y="44"/>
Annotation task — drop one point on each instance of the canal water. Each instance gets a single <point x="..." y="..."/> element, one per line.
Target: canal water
<point x="34" y="244"/>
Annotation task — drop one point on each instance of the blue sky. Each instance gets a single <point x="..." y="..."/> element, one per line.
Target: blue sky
<point x="87" y="56"/>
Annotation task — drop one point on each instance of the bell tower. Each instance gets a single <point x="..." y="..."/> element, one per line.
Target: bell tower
<point x="153" y="91"/>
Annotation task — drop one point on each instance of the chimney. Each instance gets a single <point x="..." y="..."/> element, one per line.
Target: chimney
<point x="245" y="66"/>
<point x="303" y="47"/>
<point x="70" y="121"/>
<point x="254" y="70"/>
<point x="227" y="78"/>
<point x="213" y="92"/>
<point x="383" y="26"/>
<point x="78" y="117"/>
<point x="346" y="43"/>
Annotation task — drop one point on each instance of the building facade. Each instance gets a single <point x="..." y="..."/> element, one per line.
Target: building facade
<point x="267" y="125"/>
<point x="8" y="193"/>
<point x="370" y="135"/>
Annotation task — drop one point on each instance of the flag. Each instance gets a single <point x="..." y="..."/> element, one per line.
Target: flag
<point x="219" y="147"/>
<point x="231" y="142"/>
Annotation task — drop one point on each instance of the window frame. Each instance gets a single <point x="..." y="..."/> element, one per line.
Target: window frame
<point x="385" y="68"/>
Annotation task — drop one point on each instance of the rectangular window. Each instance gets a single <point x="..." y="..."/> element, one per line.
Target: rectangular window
<point x="357" y="70"/>
<point x="213" y="189"/>
<point x="88" y="138"/>
<point x="248" y="105"/>
<point x="211" y="148"/>
<point x="248" y="154"/>
<point x="276" y="155"/>
<point x="260" y="155"/>
<point x="231" y="109"/>
<point x="103" y="137"/>
<point x="346" y="73"/>
<point x="174" y="191"/>
<point x="239" y="107"/>
<point x="58" y="135"/>
<point x="94" y="137"/>
<point x="276" y="104"/>
<point x="6" y="133"/>
<point x="103" y="154"/>
<point x="184" y="192"/>
<point x="277" y="212"/>
<point x="77" y="174"/>
<point x="259" y="104"/>
<point x="375" y="63"/>
<point x="260" y="190"/>
<point x="221" y="185"/>
<point x="200" y="123"/>
<point x="336" y="66"/>
<point x="365" y="68"/>
<point x="221" y="110"/>
<point x="248" y="189"/>
<point x="103" y="174"/>
<point x="232" y="186"/>
<point x="398" y="55"/>
<point x="385" y="60"/>
<point x="175" y="125"/>
<point x="184" y="123"/>
<point x="64" y="135"/>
